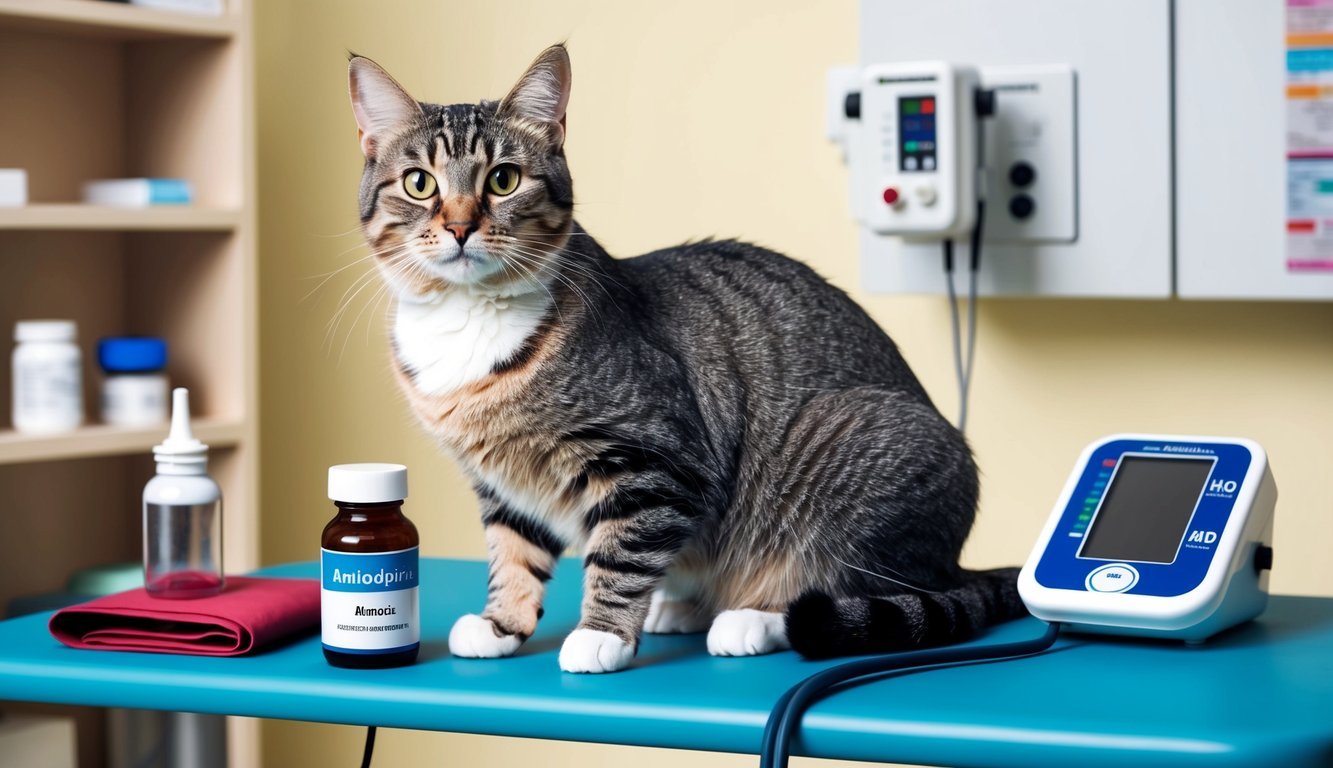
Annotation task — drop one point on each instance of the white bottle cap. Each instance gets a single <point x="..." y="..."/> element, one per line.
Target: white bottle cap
<point x="367" y="483"/>
<point x="45" y="330"/>
<point x="181" y="453"/>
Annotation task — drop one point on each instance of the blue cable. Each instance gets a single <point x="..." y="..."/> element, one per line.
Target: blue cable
<point x="786" y="715"/>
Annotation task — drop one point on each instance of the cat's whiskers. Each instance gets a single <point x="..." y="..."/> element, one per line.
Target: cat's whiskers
<point x="507" y="268"/>
<point x="358" y="285"/>
<point x="536" y="262"/>
<point x="405" y="267"/>
<point x="358" y="229"/>
<point x="355" y="289"/>
<point x="899" y="582"/>
<point x="389" y="253"/>
<point x="556" y="259"/>
<point x="330" y="275"/>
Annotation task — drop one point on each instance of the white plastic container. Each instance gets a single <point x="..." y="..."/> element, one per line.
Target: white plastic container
<point x="134" y="384"/>
<point x="48" y="377"/>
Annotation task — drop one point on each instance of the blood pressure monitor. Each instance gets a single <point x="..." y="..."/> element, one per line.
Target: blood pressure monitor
<point x="1157" y="535"/>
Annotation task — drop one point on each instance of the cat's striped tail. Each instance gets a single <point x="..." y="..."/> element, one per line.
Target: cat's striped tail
<point x="820" y="626"/>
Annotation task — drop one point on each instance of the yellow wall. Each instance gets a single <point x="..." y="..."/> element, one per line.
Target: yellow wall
<point x="691" y="119"/>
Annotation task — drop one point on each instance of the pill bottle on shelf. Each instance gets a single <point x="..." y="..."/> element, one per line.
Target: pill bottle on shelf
<point x="47" y="377"/>
<point x="369" y="570"/>
<point x="134" y="387"/>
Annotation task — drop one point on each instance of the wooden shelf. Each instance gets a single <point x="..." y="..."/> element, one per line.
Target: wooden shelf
<point x="97" y="89"/>
<point x="98" y="18"/>
<point x="101" y="440"/>
<point x="76" y="216"/>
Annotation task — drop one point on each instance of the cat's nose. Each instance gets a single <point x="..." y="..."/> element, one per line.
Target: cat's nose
<point x="461" y="229"/>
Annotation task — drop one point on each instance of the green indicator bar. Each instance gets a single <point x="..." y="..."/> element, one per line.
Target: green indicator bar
<point x="1085" y="517"/>
<point x="1324" y="186"/>
<point x="910" y="146"/>
<point x="911" y="107"/>
<point x="1091" y="501"/>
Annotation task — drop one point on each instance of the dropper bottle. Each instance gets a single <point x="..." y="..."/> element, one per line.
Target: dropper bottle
<point x="182" y="514"/>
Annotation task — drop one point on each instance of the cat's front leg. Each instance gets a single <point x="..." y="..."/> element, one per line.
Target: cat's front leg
<point x="627" y="558"/>
<point x="523" y="555"/>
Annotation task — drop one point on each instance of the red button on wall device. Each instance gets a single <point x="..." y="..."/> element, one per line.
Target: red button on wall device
<point x="891" y="195"/>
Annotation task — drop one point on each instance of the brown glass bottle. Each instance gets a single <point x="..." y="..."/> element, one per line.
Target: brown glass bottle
<point x="369" y="574"/>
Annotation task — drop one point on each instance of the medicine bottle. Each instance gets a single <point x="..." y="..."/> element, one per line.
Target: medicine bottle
<point x="134" y="388"/>
<point x="369" y="570"/>
<point x="182" y="515"/>
<point x="48" y="379"/>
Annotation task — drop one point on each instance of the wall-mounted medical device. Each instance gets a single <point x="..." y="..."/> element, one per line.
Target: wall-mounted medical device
<point x="925" y="141"/>
<point x="1157" y="535"/>
<point x="916" y="169"/>
<point x="1193" y="168"/>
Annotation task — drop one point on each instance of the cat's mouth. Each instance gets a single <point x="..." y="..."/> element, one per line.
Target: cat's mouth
<point x="460" y="265"/>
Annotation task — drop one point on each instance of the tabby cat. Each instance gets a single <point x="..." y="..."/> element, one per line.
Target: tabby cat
<point x="732" y="444"/>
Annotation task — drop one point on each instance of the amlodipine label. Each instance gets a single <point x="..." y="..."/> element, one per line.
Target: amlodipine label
<point x="369" y="601"/>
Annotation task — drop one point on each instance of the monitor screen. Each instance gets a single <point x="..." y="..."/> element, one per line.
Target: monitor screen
<point x="916" y="133"/>
<point x="1146" y="509"/>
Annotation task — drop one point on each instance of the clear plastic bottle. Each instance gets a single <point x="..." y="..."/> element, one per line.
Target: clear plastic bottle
<point x="182" y="515"/>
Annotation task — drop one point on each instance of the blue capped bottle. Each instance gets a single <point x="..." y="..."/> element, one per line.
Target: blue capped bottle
<point x="369" y="570"/>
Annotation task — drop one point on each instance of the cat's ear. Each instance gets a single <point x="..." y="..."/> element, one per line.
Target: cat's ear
<point x="542" y="93"/>
<point x="381" y="106"/>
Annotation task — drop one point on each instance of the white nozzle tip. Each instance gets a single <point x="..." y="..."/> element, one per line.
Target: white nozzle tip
<point x="180" y="415"/>
<point x="180" y="445"/>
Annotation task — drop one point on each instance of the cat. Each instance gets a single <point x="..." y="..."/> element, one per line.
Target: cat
<point x="731" y="442"/>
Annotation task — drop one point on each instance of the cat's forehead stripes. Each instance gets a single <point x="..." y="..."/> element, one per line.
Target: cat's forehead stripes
<point x="463" y="130"/>
<point x="460" y="148"/>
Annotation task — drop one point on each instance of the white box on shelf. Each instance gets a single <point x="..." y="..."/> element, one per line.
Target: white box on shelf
<point x="13" y="187"/>
<point x="137" y="193"/>
<point x="201" y="7"/>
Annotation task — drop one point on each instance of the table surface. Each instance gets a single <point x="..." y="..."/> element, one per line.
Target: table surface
<point x="1259" y="695"/>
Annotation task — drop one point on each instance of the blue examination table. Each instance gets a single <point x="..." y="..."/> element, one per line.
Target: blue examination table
<point x="1261" y="695"/>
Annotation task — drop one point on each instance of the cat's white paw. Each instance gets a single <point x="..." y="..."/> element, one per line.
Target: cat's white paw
<point x="591" y="650"/>
<point x="474" y="637"/>
<point x="667" y="617"/>
<point x="747" y="632"/>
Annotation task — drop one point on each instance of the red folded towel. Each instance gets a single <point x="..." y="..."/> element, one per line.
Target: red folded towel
<point x="248" y="614"/>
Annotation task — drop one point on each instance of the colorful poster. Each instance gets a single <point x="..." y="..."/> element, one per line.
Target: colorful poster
<point x="1309" y="135"/>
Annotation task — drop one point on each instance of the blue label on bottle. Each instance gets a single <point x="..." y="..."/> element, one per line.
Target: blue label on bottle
<point x="373" y="572"/>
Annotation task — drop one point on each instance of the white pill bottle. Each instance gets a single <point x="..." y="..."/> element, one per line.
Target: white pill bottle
<point x="48" y="377"/>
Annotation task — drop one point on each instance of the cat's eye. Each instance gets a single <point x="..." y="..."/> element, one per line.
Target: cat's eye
<point x="419" y="184"/>
<point x="503" y="179"/>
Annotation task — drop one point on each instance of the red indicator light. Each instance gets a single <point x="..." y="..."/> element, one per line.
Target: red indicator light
<point x="1108" y="463"/>
<point x="927" y="106"/>
<point x="891" y="195"/>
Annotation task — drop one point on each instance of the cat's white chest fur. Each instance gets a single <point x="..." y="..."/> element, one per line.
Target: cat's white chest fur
<point x="461" y="335"/>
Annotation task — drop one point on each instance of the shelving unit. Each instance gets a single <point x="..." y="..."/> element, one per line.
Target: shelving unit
<point x="95" y="89"/>
<point x="77" y="216"/>
<point x="103" y="440"/>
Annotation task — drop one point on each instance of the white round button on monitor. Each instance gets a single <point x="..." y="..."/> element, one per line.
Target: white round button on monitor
<point x="1116" y="577"/>
<point x="926" y="194"/>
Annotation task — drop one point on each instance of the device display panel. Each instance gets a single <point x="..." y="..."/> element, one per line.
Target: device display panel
<point x="1147" y="509"/>
<point x="916" y="133"/>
